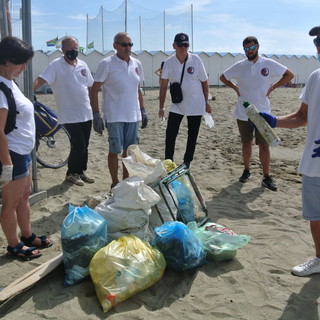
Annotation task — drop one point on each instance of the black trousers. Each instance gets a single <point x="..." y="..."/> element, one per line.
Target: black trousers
<point x="174" y="121"/>
<point x="80" y="135"/>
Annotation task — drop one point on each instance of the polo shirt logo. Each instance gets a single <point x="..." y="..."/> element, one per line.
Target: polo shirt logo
<point x="265" y="72"/>
<point x="84" y="72"/>
<point x="138" y="71"/>
<point x="190" y="70"/>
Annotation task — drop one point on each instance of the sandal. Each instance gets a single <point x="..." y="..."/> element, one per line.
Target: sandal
<point x="23" y="254"/>
<point x="44" y="243"/>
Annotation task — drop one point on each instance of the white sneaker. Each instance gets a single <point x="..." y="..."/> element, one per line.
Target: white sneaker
<point x="305" y="269"/>
<point x="74" y="179"/>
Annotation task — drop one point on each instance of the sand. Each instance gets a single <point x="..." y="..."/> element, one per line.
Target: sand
<point x="257" y="284"/>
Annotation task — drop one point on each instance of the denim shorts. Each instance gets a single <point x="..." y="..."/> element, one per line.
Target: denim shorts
<point x="310" y="198"/>
<point x="21" y="165"/>
<point x="122" y="135"/>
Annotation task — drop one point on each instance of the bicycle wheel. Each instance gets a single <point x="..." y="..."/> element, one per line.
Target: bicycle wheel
<point x="53" y="151"/>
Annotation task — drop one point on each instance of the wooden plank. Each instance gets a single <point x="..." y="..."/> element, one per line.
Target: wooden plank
<point x="30" y="278"/>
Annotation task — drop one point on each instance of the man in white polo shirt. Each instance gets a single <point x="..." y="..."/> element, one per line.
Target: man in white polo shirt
<point x="119" y="76"/>
<point x="70" y="80"/>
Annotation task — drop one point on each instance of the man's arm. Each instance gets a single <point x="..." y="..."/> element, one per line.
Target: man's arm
<point x="287" y="77"/>
<point x="98" y="125"/>
<point x="205" y="89"/>
<point x="38" y="83"/>
<point x="229" y="84"/>
<point x="294" y="120"/>
<point x="162" y="96"/>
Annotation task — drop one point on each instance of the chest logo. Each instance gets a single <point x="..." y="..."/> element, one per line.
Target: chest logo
<point x="138" y="71"/>
<point x="84" y="72"/>
<point x="190" y="70"/>
<point x="265" y="72"/>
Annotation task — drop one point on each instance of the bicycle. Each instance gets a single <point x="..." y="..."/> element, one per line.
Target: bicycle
<point x="53" y="142"/>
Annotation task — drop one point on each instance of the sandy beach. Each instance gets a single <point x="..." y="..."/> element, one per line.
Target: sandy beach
<point x="256" y="285"/>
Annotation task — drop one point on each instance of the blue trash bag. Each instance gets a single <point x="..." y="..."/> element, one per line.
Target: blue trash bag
<point x="83" y="233"/>
<point x="179" y="246"/>
<point x="185" y="201"/>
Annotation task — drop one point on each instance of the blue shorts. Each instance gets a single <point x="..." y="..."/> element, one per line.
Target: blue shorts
<point x="21" y="165"/>
<point x="310" y="198"/>
<point x="122" y="135"/>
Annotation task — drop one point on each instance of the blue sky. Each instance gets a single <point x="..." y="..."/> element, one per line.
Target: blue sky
<point x="281" y="26"/>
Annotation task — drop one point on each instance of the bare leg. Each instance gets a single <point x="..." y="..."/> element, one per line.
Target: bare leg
<point x="125" y="173"/>
<point x="113" y="167"/>
<point x="315" y="231"/>
<point x="264" y="155"/>
<point x="246" y="154"/>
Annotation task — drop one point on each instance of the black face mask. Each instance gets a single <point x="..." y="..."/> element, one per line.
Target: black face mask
<point x="71" y="54"/>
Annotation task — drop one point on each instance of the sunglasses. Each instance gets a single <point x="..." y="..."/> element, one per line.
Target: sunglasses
<point x="316" y="41"/>
<point x="249" y="48"/>
<point x="124" y="44"/>
<point x="186" y="45"/>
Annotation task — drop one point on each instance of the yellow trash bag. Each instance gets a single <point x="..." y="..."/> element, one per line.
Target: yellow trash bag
<point x="123" y="268"/>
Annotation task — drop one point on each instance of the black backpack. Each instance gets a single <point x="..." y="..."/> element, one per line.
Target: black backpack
<point x="12" y="108"/>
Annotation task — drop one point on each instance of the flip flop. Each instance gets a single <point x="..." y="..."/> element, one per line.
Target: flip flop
<point x="22" y="254"/>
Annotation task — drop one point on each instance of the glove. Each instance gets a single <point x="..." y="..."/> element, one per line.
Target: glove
<point x="144" y="117"/>
<point x="6" y="175"/>
<point x="98" y="125"/>
<point x="272" y="120"/>
<point x="316" y="150"/>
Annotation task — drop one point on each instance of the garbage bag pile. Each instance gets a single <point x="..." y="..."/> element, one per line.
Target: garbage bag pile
<point x="113" y="243"/>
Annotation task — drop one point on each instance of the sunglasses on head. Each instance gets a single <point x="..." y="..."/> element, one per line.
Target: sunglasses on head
<point x="249" y="48"/>
<point x="186" y="45"/>
<point x="316" y="41"/>
<point x="124" y="44"/>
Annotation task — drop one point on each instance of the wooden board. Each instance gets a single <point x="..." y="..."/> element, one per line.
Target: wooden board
<point x="30" y="278"/>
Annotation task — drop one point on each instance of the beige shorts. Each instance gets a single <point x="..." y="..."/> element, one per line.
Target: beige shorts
<point x="247" y="131"/>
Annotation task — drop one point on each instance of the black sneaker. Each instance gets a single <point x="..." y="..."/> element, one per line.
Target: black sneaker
<point x="269" y="183"/>
<point x="245" y="176"/>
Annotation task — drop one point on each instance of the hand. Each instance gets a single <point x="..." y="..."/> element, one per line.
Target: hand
<point x="98" y="125"/>
<point x="161" y="114"/>
<point x="144" y="120"/>
<point x="6" y="175"/>
<point x="272" y="120"/>
<point x="316" y="150"/>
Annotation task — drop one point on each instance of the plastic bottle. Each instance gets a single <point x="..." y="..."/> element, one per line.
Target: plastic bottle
<point x="261" y="124"/>
<point x="208" y="120"/>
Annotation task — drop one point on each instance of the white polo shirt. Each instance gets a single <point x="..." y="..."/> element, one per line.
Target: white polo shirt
<point x="311" y="96"/>
<point x="70" y="89"/>
<point x="193" y="103"/>
<point x="22" y="139"/>
<point x="120" y="88"/>
<point x="254" y="81"/>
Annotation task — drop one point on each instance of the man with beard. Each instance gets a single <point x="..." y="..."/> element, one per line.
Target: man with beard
<point x="255" y="78"/>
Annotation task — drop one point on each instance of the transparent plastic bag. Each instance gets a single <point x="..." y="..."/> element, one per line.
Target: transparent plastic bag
<point x="123" y="268"/>
<point x="179" y="245"/>
<point x="219" y="242"/>
<point x="83" y="233"/>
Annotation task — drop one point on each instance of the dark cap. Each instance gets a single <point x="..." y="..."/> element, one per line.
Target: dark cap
<point x="181" y="38"/>
<point x="315" y="31"/>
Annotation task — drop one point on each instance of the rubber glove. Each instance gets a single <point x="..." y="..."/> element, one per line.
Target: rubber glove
<point x="144" y="117"/>
<point x="316" y="150"/>
<point x="98" y="125"/>
<point x="272" y="120"/>
<point x="6" y="175"/>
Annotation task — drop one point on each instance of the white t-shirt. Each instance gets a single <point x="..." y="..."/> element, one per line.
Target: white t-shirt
<point x="70" y="89"/>
<point x="193" y="103"/>
<point x="254" y="81"/>
<point x="311" y="96"/>
<point x="120" y="88"/>
<point x="22" y="139"/>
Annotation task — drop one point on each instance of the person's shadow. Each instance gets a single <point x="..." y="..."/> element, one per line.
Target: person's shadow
<point x="231" y="203"/>
<point x="304" y="305"/>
